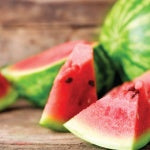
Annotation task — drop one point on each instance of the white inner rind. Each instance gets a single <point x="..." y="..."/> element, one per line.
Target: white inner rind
<point x="102" y="139"/>
<point x="8" y="72"/>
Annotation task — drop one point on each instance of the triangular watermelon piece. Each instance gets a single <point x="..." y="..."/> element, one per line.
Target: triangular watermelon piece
<point x="7" y="94"/>
<point x="34" y="76"/>
<point x="74" y="88"/>
<point x="120" y="120"/>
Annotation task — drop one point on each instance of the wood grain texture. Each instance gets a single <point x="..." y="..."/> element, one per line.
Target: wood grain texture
<point x="31" y="26"/>
<point x="19" y="129"/>
<point x="54" y="12"/>
<point x="21" y="42"/>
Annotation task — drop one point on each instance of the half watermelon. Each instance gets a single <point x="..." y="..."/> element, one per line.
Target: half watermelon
<point x="74" y="88"/>
<point x="120" y="120"/>
<point x="125" y="36"/>
<point x="33" y="77"/>
<point x="7" y="94"/>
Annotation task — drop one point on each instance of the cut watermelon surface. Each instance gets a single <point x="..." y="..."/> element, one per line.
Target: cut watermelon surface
<point x="74" y="88"/>
<point x="7" y="94"/>
<point x="120" y="120"/>
<point x="34" y="76"/>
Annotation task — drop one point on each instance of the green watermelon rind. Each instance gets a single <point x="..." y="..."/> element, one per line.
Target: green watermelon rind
<point x="27" y="82"/>
<point x="53" y="124"/>
<point x="104" y="70"/>
<point x="15" y="74"/>
<point x="8" y="99"/>
<point x="89" y="134"/>
<point x="125" y="37"/>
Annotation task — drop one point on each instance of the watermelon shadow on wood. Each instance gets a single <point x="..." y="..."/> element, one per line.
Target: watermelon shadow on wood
<point x="120" y="120"/>
<point x="8" y="95"/>
<point x="74" y="88"/>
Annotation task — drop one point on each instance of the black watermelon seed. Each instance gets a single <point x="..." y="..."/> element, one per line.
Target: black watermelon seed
<point x="134" y="94"/>
<point x="91" y="83"/>
<point x="131" y="88"/>
<point x="69" y="80"/>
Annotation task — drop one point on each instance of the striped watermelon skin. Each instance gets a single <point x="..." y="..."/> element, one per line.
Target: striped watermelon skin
<point x="106" y="76"/>
<point x="125" y="36"/>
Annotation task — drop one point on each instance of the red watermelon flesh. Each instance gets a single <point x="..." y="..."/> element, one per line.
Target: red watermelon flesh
<point x="47" y="57"/>
<point x="4" y="85"/>
<point x="120" y="120"/>
<point x="136" y="94"/>
<point x="74" y="88"/>
<point x="146" y="79"/>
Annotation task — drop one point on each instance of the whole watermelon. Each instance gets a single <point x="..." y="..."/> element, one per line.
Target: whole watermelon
<point x="125" y="36"/>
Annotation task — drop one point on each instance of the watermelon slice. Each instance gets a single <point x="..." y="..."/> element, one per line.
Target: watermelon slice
<point x="33" y="77"/>
<point x="120" y="120"/>
<point x="74" y="89"/>
<point x="7" y="94"/>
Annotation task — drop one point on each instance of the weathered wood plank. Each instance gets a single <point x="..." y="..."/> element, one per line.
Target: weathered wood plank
<point x="18" y="43"/>
<point x="66" y="1"/>
<point x="53" y="12"/>
<point x="19" y="129"/>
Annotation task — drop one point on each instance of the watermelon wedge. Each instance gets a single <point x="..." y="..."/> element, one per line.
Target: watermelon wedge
<point x="74" y="88"/>
<point x="120" y="120"/>
<point x="34" y="76"/>
<point x="7" y="94"/>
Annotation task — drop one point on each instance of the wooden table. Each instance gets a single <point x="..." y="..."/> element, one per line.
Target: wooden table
<point x="28" y="27"/>
<point x="19" y="129"/>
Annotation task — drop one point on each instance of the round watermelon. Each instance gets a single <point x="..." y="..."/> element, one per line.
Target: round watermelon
<point x="125" y="36"/>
